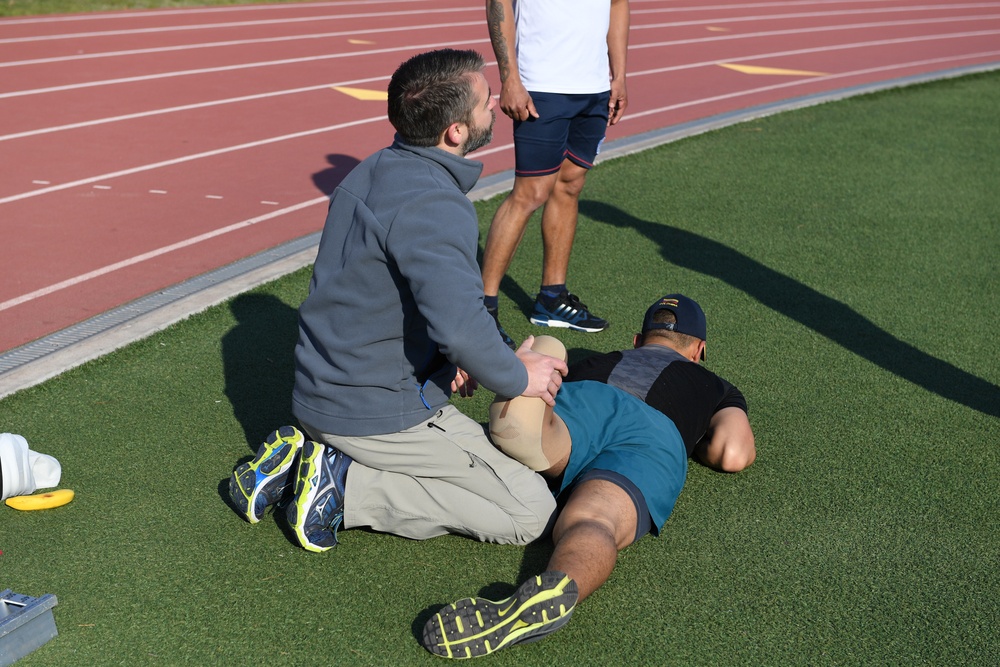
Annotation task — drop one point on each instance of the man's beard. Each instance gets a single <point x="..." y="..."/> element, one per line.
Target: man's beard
<point x="479" y="138"/>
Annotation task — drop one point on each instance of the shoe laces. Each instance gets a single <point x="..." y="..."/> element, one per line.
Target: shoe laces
<point x="574" y="301"/>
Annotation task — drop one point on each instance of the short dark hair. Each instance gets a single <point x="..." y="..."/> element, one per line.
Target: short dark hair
<point x="680" y="340"/>
<point x="430" y="91"/>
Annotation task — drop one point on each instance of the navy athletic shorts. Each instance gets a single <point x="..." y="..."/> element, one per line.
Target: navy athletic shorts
<point x="568" y="126"/>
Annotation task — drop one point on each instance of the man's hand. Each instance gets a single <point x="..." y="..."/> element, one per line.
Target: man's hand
<point x="464" y="384"/>
<point x="617" y="102"/>
<point x="545" y="373"/>
<point x="515" y="100"/>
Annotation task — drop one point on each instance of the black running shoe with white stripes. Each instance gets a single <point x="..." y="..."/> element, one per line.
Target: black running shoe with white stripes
<point x="566" y="312"/>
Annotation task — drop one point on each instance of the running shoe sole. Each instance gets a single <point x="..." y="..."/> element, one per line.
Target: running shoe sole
<point x="318" y="507"/>
<point x="262" y="481"/>
<point x="546" y="321"/>
<point x="475" y="627"/>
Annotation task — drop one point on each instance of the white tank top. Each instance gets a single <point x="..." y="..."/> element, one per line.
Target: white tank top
<point x="562" y="45"/>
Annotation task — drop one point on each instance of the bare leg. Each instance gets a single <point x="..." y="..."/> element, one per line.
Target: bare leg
<point x="509" y="223"/>
<point x="598" y="521"/>
<point x="559" y="222"/>
<point x="527" y="429"/>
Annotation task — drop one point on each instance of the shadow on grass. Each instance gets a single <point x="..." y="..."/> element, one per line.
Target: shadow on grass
<point x="259" y="364"/>
<point x="808" y="307"/>
<point x="523" y="300"/>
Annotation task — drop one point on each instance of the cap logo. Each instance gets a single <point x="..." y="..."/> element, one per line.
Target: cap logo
<point x="669" y="302"/>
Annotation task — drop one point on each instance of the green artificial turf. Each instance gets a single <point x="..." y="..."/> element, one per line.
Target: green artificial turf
<point x="846" y="258"/>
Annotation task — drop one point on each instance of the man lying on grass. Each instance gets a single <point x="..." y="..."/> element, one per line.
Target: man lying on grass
<point x="616" y="443"/>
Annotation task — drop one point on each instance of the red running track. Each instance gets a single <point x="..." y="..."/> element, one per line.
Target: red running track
<point x="139" y="149"/>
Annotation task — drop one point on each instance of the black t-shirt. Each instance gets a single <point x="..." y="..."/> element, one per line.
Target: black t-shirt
<point x="686" y="392"/>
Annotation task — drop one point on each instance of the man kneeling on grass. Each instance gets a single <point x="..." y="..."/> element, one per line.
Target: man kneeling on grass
<point x="617" y="443"/>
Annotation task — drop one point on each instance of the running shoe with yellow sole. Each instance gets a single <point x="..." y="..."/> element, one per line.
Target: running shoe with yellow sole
<point x="475" y="627"/>
<point x="264" y="480"/>
<point x="317" y="509"/>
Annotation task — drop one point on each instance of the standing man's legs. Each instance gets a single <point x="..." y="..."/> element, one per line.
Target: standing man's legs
<point x="509" y="222"/>
<point x="560" y="194"/>
<point x="553" y="154"/>
<point x="559" y="222"/>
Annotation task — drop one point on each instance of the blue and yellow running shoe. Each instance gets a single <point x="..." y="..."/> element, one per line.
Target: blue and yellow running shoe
<point x="317" y="510"/>
<point x="264" y="480"/>
<point x="475" y="627"/>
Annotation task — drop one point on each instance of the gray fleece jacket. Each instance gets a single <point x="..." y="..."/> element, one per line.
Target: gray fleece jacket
<point x="396" y="298"/>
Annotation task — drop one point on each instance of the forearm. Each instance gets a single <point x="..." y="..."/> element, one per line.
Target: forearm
<point x="729" y="444"/>
<point x="500" y="21"/>
<point x="618" y="39"/>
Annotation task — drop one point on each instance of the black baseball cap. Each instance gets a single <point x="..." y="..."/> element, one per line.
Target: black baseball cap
<point x="690" y="316"/>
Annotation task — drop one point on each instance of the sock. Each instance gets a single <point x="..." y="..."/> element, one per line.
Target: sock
<point x="552" y="291"/>
<point x="491" y="302"/>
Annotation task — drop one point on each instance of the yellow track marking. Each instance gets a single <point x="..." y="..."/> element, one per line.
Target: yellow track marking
<point x="363" y="93"/>
<point x="755" y="69"/>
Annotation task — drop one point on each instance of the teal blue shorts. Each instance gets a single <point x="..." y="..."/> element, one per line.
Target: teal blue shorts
<point x="612" y="430"/>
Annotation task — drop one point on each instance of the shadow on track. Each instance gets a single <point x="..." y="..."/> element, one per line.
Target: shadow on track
<point x="340" y="166"/>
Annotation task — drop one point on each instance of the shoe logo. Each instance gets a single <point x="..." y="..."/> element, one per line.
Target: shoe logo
<point x="504" y="612"/>
<point x="567" y="312"/>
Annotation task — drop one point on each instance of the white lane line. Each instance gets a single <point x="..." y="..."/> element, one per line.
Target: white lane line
<point x="185" y="107"/>
<point x="238" y="24"/>
<point x="235" y="42"/>
<point x="324" y="199"/>
<point x="125" y="15"/>
<point x="884" y="9"/>
<point x="156" y="253"/>
<point x="814" y="29"/>
<point x="416" y="48"/>
<point x="806" y="81"/>
<point x="142" y="14"/>
<point x="355" y="82"/>
<point x="439" y="26"/>
<point x="817" y="49"/>
<point x="221" y="151"/>
<point x="186" y="158"/>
